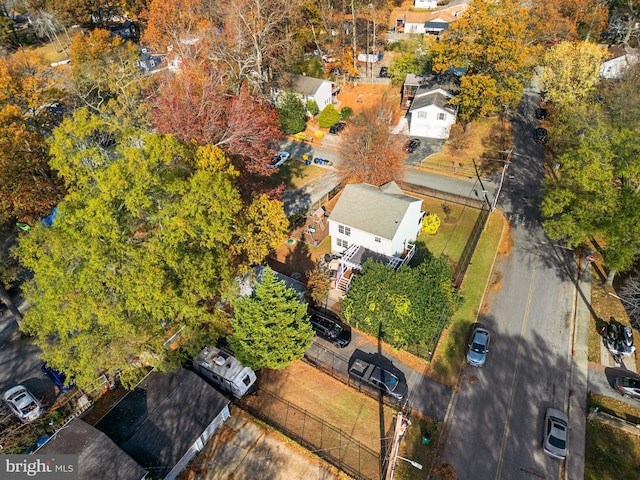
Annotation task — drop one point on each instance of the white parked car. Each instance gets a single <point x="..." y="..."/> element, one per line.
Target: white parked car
<point x="23" y="404"/>
<point x="279" y="159"/>
<point x="556" y="425"/>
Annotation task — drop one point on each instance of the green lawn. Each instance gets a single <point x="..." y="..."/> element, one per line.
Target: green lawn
<point x="294" y="174"/>
<point x="454" y="230"/>
<point x="610" y="453"/>
<point x="450" y="351"/>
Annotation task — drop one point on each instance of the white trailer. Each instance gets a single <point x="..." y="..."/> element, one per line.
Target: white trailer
<point x="224" y="371"/>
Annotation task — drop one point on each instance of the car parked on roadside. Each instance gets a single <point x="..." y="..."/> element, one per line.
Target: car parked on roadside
<point x="58" y="378"/>
<point x="541" y="135"/>
<point x="329" y="327"/>
<point x="279" y="159"/>
<point x="628" y="387"/>
<point x="541" y="113"/>
<point x="556" y="424"/>
<point x="478" y="346"/>
<point x="337" y="128"/>
<point x="412" y="144"/>
<point x="23" y="404"/>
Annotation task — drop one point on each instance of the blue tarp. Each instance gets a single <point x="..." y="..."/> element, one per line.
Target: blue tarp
<point x="47" y="222"/>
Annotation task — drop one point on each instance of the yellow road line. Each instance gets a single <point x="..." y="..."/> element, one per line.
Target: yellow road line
<point x="515" y="372"/>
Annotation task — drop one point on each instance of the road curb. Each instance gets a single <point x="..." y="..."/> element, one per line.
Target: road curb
<point x="577" y="396"/>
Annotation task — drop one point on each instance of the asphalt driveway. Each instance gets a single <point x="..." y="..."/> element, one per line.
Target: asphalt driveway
<point x="427" y="147"/>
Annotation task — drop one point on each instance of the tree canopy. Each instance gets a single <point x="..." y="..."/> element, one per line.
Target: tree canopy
<point x="271" y="328"/>
<point x="28" y="92"/>
<point x="571" y="72"/>
<point x="407" y="306"/>
<point x="370" y="152"/>
<point x="595" y="193"/>
<point x="196" y="104"/>
<point x="149" y="237"/>
<point x="490" y="39"/>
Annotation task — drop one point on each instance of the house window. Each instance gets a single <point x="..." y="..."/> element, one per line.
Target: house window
<point x="442" y="116"/>
<point x="344" y="230"/>
<point x="342" y="243"/>
<point x="422" y="115"/>
<point x="377" y="240"/>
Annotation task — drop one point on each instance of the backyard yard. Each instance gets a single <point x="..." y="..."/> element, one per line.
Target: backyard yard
<point x="340" y="406"/>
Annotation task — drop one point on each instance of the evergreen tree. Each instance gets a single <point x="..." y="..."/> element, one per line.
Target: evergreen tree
<point x="292" y="113"/>
<point x="270" y="328"/>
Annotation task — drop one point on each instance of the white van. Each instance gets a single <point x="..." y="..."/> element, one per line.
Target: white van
<point x="224" y="371"/>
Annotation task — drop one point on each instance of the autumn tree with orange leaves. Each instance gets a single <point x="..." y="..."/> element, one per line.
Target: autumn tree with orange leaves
<point x="370" y="152"/>
<point x="28" y="89"/>
<point x="195" y="104"/>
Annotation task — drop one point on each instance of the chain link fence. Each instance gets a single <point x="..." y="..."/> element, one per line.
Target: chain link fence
<point x="315" y="434"/>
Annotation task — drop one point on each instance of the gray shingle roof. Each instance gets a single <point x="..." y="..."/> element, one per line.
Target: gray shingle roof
<point x="376" y="210"/>
<point x="305" y="85"/>
<point x="97" y="454"/>
<point x="434" y="98"/>
<point x="162" y="417"/>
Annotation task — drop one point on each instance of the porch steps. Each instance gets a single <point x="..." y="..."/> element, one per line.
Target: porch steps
<point x="343" y="284"/>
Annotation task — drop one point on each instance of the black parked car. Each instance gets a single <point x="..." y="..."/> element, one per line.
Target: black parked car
<point x="627" y="386"/>
<point x="384" y="72"/>
<point x="327" y="326"/>
<point x="541" y="135"/>
<point x="541" y="113"/>
<point x="411" y="145"/>
<point x="337" y="128"/>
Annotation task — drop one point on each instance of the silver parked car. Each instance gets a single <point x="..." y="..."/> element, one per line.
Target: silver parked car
<point x="556" y="425"/>
<point x="478" y="346"/>
<point x="23" y="404"/>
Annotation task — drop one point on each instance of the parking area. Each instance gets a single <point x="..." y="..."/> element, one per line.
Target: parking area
<point x="427" y="147"/>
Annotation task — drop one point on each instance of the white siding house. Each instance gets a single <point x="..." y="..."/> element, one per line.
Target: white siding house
<point x="619" y="63"/>
<point x="430" y="114"/>
<point x="380" y="223"/>
<point x="431" y="4"/>
<point x="381" y="219"/>
<point x="309" y="88"/>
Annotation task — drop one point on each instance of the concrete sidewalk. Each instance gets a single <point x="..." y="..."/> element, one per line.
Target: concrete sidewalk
<point x="577" y="401"/>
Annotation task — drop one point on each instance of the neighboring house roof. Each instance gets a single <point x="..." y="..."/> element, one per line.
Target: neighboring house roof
<point x="96" y="452"/>
<point x="158" y="421"/>
<point x="304" y="85"/>
<point x="376" y="210"/>
<point x="449" y="82"/>
<point x="437" y="98"/>
<point x="619" y="60"/>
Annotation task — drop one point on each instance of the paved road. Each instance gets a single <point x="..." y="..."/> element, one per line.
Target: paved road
<point x="495" y="426"/>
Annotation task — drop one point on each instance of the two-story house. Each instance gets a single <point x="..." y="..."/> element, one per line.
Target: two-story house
<point x="373" y="222"/>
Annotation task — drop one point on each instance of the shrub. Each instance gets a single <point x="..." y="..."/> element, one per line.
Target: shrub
<point x="312" y="107"/>
<point x="345" y="113"/>
<point x="430" y="224"/>
<point x="329" y="116"/>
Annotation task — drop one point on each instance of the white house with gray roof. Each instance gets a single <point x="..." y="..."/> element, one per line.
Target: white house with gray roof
<point x="382" y="219"/>
<point x="373" y="222"/>
<point x="309" y="88"/>
<point x="431" y="115"/>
